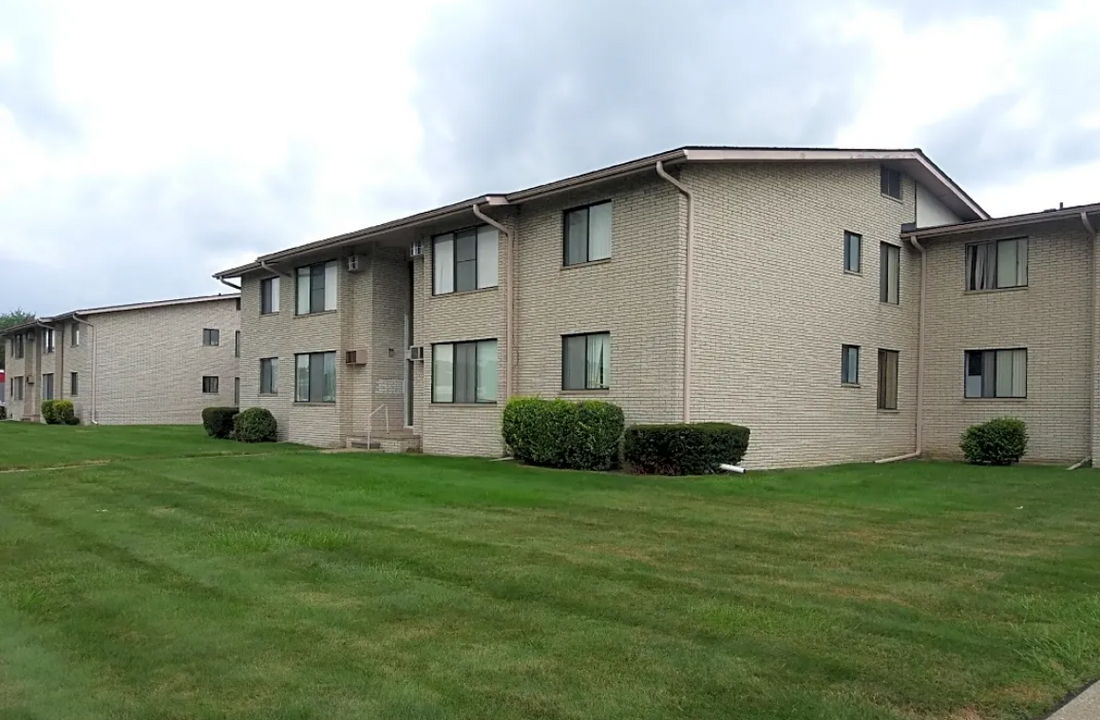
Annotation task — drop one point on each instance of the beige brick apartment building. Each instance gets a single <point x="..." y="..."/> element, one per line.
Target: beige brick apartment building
<point x="145" y="363"/>
<point x="772" y="287"/>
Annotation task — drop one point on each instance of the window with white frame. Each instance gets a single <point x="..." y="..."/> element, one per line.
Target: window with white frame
<point x="76" y="334"/>
<point x="315" y="377"/>
<point x="853" y="250"/>
<point x="269" y="376"/>
<point x="464" y="372"/>
<point x="317" y="288"/>
<point x="996" y="373"/>
<point x="887" y="380"/>
<point x="211" y="336"/>
<point x="269" y="296"/>
<point x="47" y="386"/>
<point x="849" y="364"/>
<point x="17" y="388"/>
<point x="48" y="339"/>
<point x="586" y="361"/>
<point x="587" y="233"/>
<point x="465" y="260"/>
<point x="996" y="264"/>
<point x="889" y="273"/>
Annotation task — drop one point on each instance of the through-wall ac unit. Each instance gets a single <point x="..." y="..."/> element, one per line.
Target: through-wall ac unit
<point x="416" y="248"/>
<point x="354" y="263"/>
<point x="355" y="357"/>
<point x="416" y="352"/>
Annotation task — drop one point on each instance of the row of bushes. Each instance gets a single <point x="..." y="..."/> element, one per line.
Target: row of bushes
<point x="251" y="426"/>
<point x="59" y="412"/>
<point x="590" y="435"/>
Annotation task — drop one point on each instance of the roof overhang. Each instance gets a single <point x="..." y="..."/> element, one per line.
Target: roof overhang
<point x="54" y="319"/>
<point x="1011" y="222"/>
<point x="912" y="162"/>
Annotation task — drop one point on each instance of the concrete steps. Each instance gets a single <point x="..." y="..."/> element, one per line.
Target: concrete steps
<point x="398" y="441"/>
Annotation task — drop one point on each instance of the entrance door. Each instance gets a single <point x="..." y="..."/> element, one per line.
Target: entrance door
<point x="408" y="343"/>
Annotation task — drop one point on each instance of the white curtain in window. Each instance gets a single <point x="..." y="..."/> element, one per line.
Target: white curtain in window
<point x="487" y="371"/>
<point x="328" y="394"/>
<point x="487" y="259"/>
<point x="443" y="373"/>
<point x="1019" y="373"/>
<point x="599" y="231"/>
<point x="1011" y="373"/>
<point x="1021" y="262"/>
<point x="303" y="291"/>
<point x="301" y="393"/>
<point x="330" y="285"/>
<point x="599" y="361"/>
<point x="274" y="294"/>
<point x="443" y="264"/>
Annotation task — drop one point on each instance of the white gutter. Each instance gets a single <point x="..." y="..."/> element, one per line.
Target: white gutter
<point x="509" y="300"/>
<point x="920" y="360"/>
<point x="688" y="262"/>
<point x="95" y="363"/>
<point x="1093" y="340"/>
<point x="223" y="281"/>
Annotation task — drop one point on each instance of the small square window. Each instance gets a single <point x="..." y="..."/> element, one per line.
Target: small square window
<point x="587" y="234"/>
<point x="890" y="182"/>
<point x="210" y="385"/>
<point x="211" y="337"/>
<point x="586" y="361"/>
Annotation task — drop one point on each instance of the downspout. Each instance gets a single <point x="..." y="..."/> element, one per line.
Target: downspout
<point x="688" y="262"/>
<point x="269" y="268"/>
<point x="1092" y="335"/>
<point x="95" y="363"/>
<point x="920" y="360"/>
<point x="509" y="300"/>
<point x="223" y="281"/>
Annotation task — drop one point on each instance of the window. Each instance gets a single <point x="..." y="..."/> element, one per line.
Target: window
<point x="891" y="182"/>
<point x="997" y="264"/>
<point x="464" y="372"/>
<point x="237" y="343"/>
<point x="465" y="260"/>
<point x="74" y="384"/>
<point x="317" y="288"/>
<point x="269" y="376"/>
<point x="238" y="304"/>
<point x="316" y="377"/>
<point x="47" y="386"/>
<point x="76" y="335"/>
<point x="889" y="273"/>
<point x="19" y="345"/>
<point x="887" y="380"/>
<point x="588" y="233"/>
<point x="17" y="388"/>
<point x="48" y="339"/>
<point x="269" y="296"/>
<point x="211" y="337"/>
<point x="853" y="248"/>
<point x="210" y="384"/>
<point x="236" y="392"/>
<point x="849" y="364"/>
<point x="996" y="373"/>
<point x="586" y="362"/>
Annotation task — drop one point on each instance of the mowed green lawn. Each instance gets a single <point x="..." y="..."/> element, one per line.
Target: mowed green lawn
<point x="303" y="585"/>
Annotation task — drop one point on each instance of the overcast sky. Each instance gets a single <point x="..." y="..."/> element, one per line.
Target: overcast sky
<point x="145" y="145"/>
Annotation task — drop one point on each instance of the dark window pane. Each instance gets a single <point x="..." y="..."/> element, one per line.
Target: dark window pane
<point x="466" y="275"/>
<point x="576" y="237"/>
<point x="317" y="288"/>
<point x="466" y="245"/>
<point x="465" y="372"/>
<point x="316" y="376"/>
<point x="989" y="374"/>
<point x="574" y="357"/>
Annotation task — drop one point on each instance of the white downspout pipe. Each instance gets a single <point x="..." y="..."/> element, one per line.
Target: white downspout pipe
<point x="269" y="268"/>
<point x="509" y="320"/>
<point x="1091" y="230"/>
<point x="95" y="364"/>
<point x="920" y="360"/>
<point x="689" y="263"/>
<point x="223" y="281"/>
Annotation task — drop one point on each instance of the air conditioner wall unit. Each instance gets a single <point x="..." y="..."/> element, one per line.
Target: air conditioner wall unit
<point x="416" y="248"/>
<point x="354" y="263"/>
<point x="415" y="353"/>
<point x="355" y="357"/>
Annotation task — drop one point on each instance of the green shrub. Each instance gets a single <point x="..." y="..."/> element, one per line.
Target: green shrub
<point x="218" y="421"/>
<point x="563" y="434"/>
<point x="64" y="413"/>
<point x="49" y="412"/>
<point x="3" y="413"/>
<point x="1000" y="441"/>
<point x="683" y="449"/>
<point x="255" y="425"/>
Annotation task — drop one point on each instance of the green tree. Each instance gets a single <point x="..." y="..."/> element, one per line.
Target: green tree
<point x="11" y="319"/>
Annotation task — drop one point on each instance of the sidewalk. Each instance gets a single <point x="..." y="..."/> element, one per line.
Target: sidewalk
<point x="1085" y="706"/>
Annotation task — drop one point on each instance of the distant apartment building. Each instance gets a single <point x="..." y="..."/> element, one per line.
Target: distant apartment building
<point x="778" y="288"/>
<point x="144" y="363"/>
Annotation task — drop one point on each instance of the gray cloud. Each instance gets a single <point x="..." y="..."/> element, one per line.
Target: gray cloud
<point x="988" y="143"/>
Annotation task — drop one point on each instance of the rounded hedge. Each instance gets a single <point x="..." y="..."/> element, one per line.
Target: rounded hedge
<point x="218" y="421"/>
<point x="683" y="448"/>
<point x="562" y="434"/>
<point x="1000" y="441"/>
<point x="255" y="425"/>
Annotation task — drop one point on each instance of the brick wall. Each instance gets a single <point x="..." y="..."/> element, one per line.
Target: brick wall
<point x="773" y="306"/>
<point x="1050" y="317"/>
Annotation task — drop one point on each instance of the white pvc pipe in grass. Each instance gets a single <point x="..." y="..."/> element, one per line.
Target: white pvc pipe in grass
<point x="731" y="468"/>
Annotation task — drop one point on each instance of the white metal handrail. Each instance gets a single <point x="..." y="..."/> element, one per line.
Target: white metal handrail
<point x="370" y="422"/>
